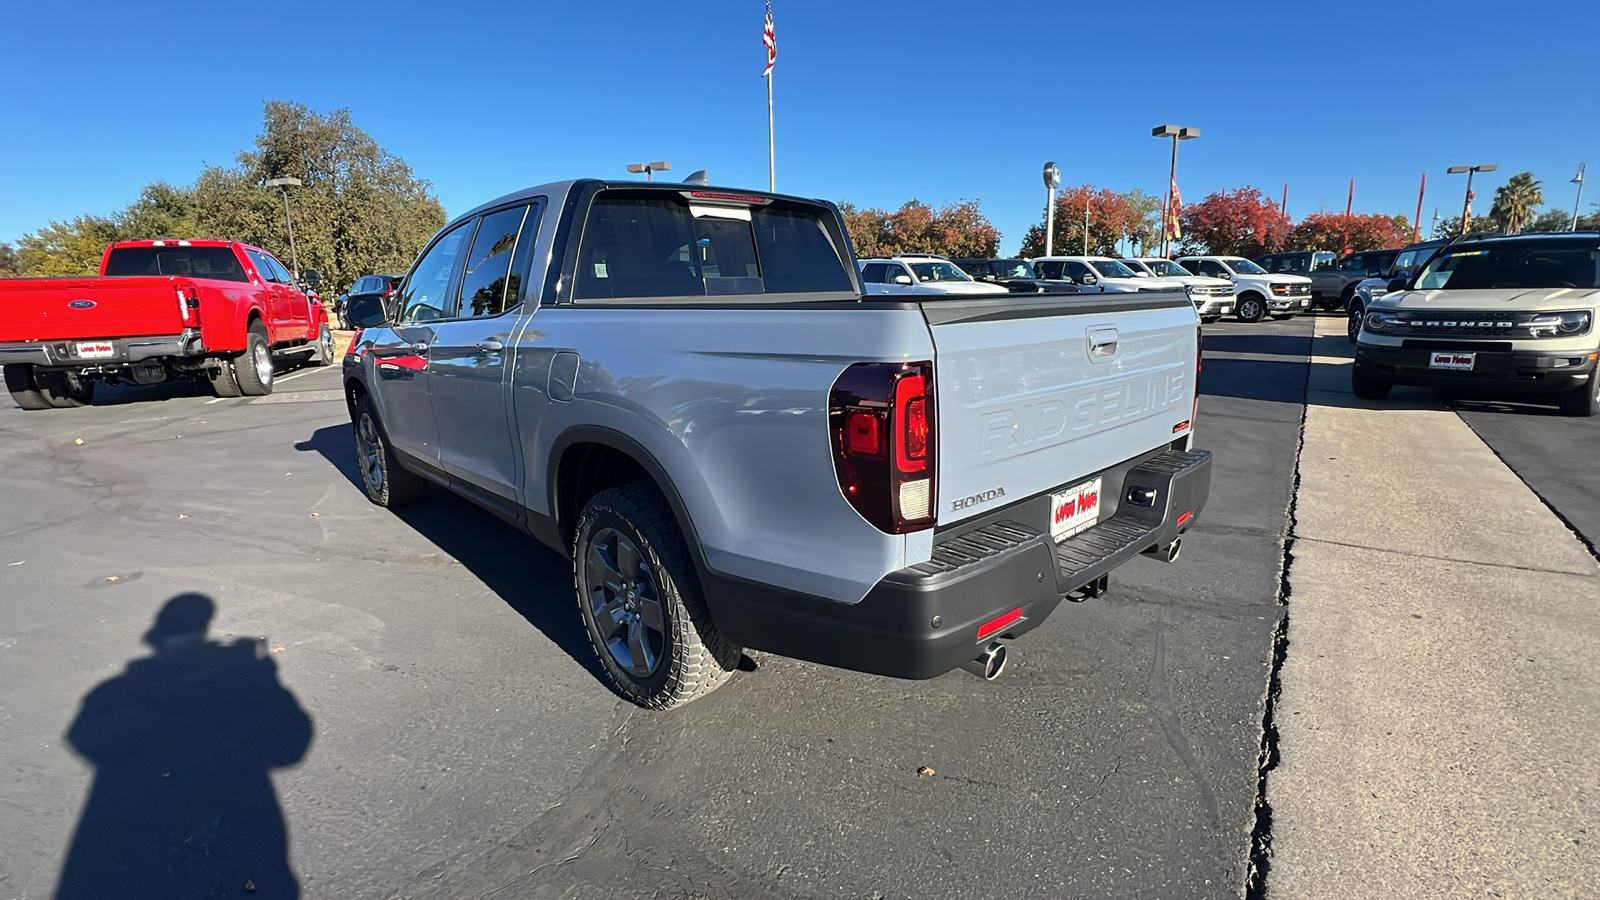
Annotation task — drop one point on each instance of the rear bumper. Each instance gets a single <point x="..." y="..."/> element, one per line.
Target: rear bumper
<point x="923" y="621"/>
<point x="1519" y="371"/>
<point x="64" y="354"/>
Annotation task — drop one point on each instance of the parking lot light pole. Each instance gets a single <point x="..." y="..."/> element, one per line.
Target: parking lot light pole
<point x="1466" y="202"/>
<point x="1052" y="180"/>
<point x="649" y="168"/>
<point x="1177" y="133"/>
<point x="283" y="184"/>
<point x="1578" y="203"/>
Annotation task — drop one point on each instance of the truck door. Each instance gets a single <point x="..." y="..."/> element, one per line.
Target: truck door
<point x="297" y="309"/>
<point x="468" y="375"/>
<point x="404" y="351"/>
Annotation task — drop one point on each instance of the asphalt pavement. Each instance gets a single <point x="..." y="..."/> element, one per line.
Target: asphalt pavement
<point x="461" y="743"/>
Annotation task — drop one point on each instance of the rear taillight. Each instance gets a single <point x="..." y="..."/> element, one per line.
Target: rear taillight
<point x="881" y="419"/>
<point x="189" y="306"/>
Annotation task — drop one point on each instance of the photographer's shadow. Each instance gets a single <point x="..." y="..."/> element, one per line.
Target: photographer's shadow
<point x="182" y="742"/>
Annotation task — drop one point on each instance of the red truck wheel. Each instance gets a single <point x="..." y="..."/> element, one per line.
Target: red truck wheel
<point x="19" y="381"/>
<point x="64" y="390"/>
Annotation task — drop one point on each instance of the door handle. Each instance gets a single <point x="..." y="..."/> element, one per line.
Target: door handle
<point x="1102" y="343"/>
<point x="420" y="348"/>
<point x="490" y="345"/>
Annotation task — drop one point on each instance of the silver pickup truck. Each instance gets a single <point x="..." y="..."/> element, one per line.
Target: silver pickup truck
<point x="685" y="390"/>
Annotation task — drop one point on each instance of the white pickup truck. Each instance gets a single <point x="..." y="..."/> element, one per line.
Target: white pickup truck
<point x="686" y="391"/>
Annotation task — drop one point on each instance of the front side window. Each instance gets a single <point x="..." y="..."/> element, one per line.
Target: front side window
<point x="1013" y="268"/>
<point x="1050" y="269"/>
<point x="1211" y="268"/>
<point x="1515" y="266"/>
<point x="1076" y="271"/>
<point x="279" y="273"/>
<point x="488" y="287"/>
<point x="1166" y="268"/>
<point x="423" y="297"/>
<point x="1244" y="266"/>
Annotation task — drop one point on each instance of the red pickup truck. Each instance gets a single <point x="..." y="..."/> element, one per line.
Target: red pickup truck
<point x="160" y="310"/>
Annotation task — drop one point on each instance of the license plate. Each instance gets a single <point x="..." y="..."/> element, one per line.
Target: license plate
<point x="1306" y="302"/>
<point x="1460" y="362"/>
<point x="1074" y="509"/>
<point x="96" y="349"/>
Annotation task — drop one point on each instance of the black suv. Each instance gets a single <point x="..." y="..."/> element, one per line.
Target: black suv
<point x="367" y="285"/>
<point x="1406" y="261"/>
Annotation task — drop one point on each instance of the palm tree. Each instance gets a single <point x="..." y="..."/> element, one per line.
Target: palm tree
<point x="1514" y="202"/>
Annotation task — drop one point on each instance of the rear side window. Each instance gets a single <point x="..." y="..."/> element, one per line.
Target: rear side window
<point x="195" y="262"/>
<point x="657" y="246"/>
<point x="1049" y="269"/>
<point x="488" y="286"/>
<point x="873" y="273"/>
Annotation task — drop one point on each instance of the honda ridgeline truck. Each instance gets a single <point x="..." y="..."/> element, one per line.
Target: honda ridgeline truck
<point x="160" y="310"/>
<point x="687" y="391"/>
<point x="1491" y="316"/>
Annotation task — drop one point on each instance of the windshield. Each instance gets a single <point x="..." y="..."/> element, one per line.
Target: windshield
<point x="1242" y="266"/>
<point x="1166" y="268"/>
<point x="1532" y="264"/>
<point x="1110" y="268"/>
<point x="1012" y="268"/>
<point x="938" y="271"/>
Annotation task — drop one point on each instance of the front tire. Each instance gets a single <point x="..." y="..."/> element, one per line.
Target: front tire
<point x="384" y="481"/>
<point x="1353" y="323"/>
<point x="1583" y="401"/>
<point x="640" y="601"/>
<point x="64" y="390"/>
<point x="252" y="369"/>
<point x="322" y="354"/>
<point x="1251" y="308"/>
<point x="24" y="390"/>
<point x="1367" y="384"/>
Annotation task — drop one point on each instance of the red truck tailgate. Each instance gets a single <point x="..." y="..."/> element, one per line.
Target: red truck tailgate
<point x="44" y="309"/>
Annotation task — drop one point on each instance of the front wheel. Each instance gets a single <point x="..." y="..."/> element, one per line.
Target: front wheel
<point x="640" y="601"/>
<point x="322" y="353"/>
<point x="1367" y="383"/>
<point x="1583" y="401"/>
<point x="1353" y="322"/>
<point x="1251" y="308"/>
<point x="24" y="390"/>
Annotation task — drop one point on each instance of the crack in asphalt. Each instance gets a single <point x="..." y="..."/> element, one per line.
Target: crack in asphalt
<point x="1166" y="715"/>
<point x="1450" y="559"/>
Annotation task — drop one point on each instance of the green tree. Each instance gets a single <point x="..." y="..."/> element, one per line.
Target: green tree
<point x="1551" y="220"/>
<point x="10" y="265"/>
<point x="66" y="248"/>
<point x="1514" y="203"/>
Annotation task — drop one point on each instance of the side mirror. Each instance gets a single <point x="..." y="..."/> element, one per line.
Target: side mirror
<point x="313" y="279"/>
<point x="1089" y="279"/>
<point x="902" y="279"/>
<point x="366" y="311"/>
<point x="1397" y="284"/>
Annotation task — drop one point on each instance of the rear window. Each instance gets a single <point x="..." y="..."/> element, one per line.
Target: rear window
<point x="1514" y="265"/>
<point x="656" y="245"/>
<point x="195" y="262"/>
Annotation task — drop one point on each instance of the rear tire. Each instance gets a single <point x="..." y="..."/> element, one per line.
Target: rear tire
<point x="640" y="601"/>
<point x="1583" y="401"/>
<point x="1368" y="384"/>
<point x="382" y="478"/>
<point x="19" y="381"/>
<point x="252" y="369"/>
<point x="64" y="390"/>
<point x="1250" y="308"/>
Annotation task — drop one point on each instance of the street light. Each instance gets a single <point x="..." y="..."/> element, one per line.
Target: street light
<point x="1466" y="203"/>
<point x="1578" y="203"/>
<point x="1177" y="133"/>
<point x="283" y="184"/>
<point x="1052" y="180"/>
<point x="648" y="168"/>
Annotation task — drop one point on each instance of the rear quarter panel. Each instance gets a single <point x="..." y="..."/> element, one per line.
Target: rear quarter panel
<point x="733" y="405"/>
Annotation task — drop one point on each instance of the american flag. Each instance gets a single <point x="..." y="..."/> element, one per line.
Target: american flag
<point x="771" y="40"/>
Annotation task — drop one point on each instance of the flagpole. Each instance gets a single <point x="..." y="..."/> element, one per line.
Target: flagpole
<point x="772" y="177"/>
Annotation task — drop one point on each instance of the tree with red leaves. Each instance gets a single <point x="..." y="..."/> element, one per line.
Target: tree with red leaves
<point x="1331" y="231"/>
<point x="1112" y="217"/>
<point x="957" y="230"/>
<point x="1240" y="222"/>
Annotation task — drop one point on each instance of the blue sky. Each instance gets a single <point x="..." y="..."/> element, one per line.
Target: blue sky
<point x="876" y="102"/>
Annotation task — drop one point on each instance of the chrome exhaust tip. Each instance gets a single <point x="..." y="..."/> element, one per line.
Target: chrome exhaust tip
<point x="990" y="663"/>
<point x="1168" y="553"/>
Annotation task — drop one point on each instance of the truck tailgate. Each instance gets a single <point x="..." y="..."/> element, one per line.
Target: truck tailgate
<point x="1040" y="393"/>
<point x="46" y="309"/>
